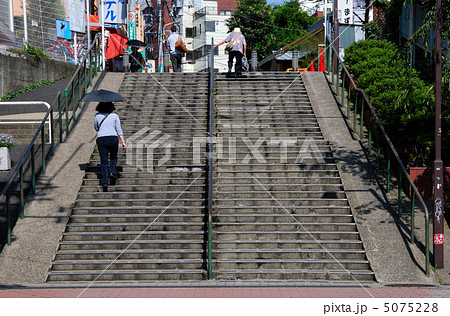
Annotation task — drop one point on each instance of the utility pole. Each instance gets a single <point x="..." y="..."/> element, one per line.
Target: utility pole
<point x="160" y="38"/>
<point x="438" y="183"/>
<point x="336" y="35"/>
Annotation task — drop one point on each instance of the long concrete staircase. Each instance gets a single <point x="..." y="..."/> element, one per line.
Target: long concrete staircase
<point x="279" y="210"/>
<point x="150" y="224"/>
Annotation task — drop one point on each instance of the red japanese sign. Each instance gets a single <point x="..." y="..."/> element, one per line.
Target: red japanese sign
<point x="438" y="239"/>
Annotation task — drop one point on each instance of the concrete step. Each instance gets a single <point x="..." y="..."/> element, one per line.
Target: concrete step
<point x="288" y="245"/>
<point x="126" y="275"/>
<point x="130" y="254"/>
<point x="294" y="274"/>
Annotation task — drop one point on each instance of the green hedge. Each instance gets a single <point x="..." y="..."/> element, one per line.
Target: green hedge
<point x="403" y="101"/>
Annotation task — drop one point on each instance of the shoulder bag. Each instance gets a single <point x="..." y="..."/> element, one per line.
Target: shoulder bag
<point x="180" y="45"/>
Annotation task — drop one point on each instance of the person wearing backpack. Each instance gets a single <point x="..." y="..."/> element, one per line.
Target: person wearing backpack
<point x="109" y="131"/>
<point x="236" y="48"/>
<point x="175" y="54"/>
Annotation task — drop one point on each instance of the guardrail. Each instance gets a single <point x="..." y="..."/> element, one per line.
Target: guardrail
<point x="79" y="83"/>
<point x="370" y="125"/>
<point x="210" y="158"/>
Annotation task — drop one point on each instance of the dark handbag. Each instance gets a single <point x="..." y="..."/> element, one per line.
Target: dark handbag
<point x="180" y="45"/>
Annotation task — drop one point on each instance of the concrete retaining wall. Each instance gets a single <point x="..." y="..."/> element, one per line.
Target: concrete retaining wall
<point x="19" y="70"/>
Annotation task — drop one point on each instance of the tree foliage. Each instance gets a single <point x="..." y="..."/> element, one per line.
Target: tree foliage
<point x="404" y="102"/>
<point x="268" y="28"/>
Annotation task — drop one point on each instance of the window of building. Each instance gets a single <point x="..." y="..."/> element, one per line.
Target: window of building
<point x="195" y="31"/>
<point x="190" y="32"/>
<point x="225" y="12"/>
<point x="210" y="26"/>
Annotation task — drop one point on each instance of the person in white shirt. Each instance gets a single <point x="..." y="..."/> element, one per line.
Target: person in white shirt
<point x="237" y="51"/>
<point x="175" y="54"/>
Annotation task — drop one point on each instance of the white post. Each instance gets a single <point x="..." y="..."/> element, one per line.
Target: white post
<point x="25" y="26"/>
<point x="325" y="20"/>
<point x="75" y="48"/>
<point x="88" y="9"/>
<point x="103" y="36"/>
<point x="11" y="16"/>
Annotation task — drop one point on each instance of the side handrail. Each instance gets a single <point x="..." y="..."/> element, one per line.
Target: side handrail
<point x="50" y="122"/>
<point x="77" y="79"/>
<point x="210" y="158"/>
<point x="391" y="149"/>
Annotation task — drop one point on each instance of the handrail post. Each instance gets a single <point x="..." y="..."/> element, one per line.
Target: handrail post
<point x="413" y="212"/>
<point x="361" y="131"/>
<point x="43" y="149"/>
<point x="400" y="209"/>
<point x="73" y="103"/>
<point x="33" y="171"/>
<point x="389" y="172"/>
<point x="52" y="132"/>
<point x="8" y="217"/>
<point x="210" y="166"/>
<point x="21" y="196"/>
<point x="60" y="118"/>
<point x="355" y="111"/>
<point x="67" y="112"/>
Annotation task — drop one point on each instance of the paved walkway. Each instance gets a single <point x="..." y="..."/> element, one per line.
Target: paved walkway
<point x="228" y="292"/>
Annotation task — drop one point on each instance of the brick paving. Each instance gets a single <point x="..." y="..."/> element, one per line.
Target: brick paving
<point x="236" y="292"/>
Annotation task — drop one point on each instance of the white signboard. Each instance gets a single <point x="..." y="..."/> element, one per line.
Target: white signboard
<point x="76" y="16"/>
<point x="351" y="12"/>
<point x="345" y="13"/>
<point x="115" y="11"/>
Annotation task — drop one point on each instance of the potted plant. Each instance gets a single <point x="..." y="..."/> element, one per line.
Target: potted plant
<point x="6" y="142"/>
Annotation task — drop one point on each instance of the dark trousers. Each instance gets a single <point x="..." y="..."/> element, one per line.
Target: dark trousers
<point x="107" y="145"/>
<point x="238" y="55"/>
<point x="176" y="62"/>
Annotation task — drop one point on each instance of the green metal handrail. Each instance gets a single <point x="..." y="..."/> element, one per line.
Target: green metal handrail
<point x="391" y="151"/>
<point x="76" y="80"/>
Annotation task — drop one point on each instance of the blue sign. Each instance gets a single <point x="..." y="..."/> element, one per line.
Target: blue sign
<point x="63" y="29"/>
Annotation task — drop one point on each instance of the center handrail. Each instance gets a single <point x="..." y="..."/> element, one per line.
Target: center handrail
<point x="210" y="158"/>
<point x="373" y="116"/>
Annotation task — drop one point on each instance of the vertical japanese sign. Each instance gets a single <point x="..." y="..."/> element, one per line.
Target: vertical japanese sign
<point x="131" y="25"/>
<point x="115" y="11"/>
<point x="76" y="16"/>
<point x="345" y="11"/>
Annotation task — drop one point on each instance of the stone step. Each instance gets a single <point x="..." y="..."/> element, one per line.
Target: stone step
<point x="282" y="218"/>
<point x="267" y="179"/>
<point x="288" y="225"/>
<point x="100" y="241"/>
<point x="288" y="245"/>
<point x="309" y="264"/>
<point x="162" y="202"/>
<point x="117" y="210"/>
<point x="129" y="264"/>
<point x="264" y="235"/>
<point x="126" y="275"/>
<point x="294" y="274"/>
<point x="133" y="226"/>
<point x="130" y="254"/>
<point x="132" y="218"/>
